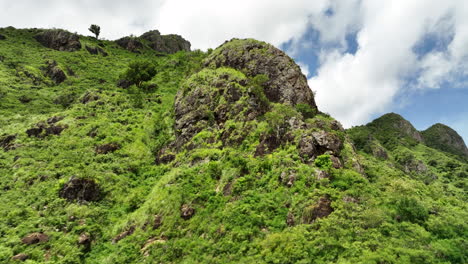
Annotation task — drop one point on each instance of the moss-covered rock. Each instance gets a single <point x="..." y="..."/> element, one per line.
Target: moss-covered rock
<point x="59" y="39"/>
<point x="286" y="83"/>
<point x="166" y="43"/>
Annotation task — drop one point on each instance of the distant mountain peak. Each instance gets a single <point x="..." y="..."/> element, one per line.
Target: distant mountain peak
<point x="442" y="137"/>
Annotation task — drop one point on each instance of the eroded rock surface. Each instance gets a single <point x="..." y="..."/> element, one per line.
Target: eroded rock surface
<point x="58" y="39"/>
<point x="6" y="142"/>
<point x="166" y="43"/>
<point x="320" y="210"/>
<point x="81" y="190"/>
<point x="211" y="97"/>
<point x="35" y="238"/>
<point x="54" y="72"/>
<point x="286" y="83"/>
<point x="130" y="43"/>
<point x="96" y="51"/>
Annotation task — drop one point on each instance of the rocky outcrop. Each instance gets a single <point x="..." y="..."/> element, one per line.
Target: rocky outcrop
<point x="166" y="43"/>
<point x="320" y="210"/>
<point x="186" y="212"/>
<point x="130" y="43"/>
<point x="44" y="129"/>
<point x="81" y="190"/>
<point x="2" y="37"/>
<point x="96" y="51"/>
<point x="58" y="39"/>
<point x="35" y="238"/>
<point x="54" y="72"/>
<point x="327" y="142"/>
<point x="89" y="97"/>
<point x="442" y="137"/>
<point x="124" y="234"/>
<point x="20" y="257"/>
<point x="286" y="83"/>
<point x="379" y="152"/>
<point x="107" y="148"/>
<point x="210" y="97"/>
<point x="6" y="142"/>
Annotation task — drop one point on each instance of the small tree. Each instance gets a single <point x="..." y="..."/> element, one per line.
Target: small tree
<point x="139" y="72"/>
<point x="95" y="29"/>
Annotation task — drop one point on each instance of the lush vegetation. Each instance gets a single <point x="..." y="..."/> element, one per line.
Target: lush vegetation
<point x="215" y="201"/>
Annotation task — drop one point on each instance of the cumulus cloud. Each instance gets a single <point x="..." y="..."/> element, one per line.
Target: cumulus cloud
<point x="117" y="18"/>
<point x="353" y="87"/>
<point x="207" y="23"/>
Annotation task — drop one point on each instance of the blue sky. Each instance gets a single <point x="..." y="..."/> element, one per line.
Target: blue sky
<point x="364" y="58"/>
<point x="447" y="104"/>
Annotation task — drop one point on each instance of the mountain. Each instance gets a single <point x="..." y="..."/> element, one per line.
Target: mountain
<point x="444" y="138"/>
<point x="141" y="151"/>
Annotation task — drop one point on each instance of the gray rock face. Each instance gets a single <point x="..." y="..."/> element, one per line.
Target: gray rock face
<point x="166" y="43"/>
<point x="286" y="82"/>
<point x="379" y="152"/>
<point x="327" y="142"/>
<point x="54" y="72"/>
<point x="444" y="138"/>
<point x="58" y="39"/>
<point x="130" y="43"/>
<point x="211" y="97"/>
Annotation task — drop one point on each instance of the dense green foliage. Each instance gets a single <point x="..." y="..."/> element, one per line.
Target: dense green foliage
<point x="442" y="137"/>
<point x="139" y="72"/>
<point x="244" y="211"/>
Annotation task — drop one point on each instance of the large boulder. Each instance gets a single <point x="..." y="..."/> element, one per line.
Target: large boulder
<point x="130" y="43"/>
<point x="2" y="37"/>
<point x="286" y="83"/>
<point x="442" y="137"/>
<point x="58" y="39"/>
<point x="166" y="43"/>
<point x="327" y="142"/>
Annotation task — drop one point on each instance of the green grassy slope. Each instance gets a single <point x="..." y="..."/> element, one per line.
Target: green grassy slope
<point x="409" y="207"/>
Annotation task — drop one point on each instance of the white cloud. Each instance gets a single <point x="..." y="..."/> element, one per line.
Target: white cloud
<point x="117" y="18"/>
<point x="353" y="87"/>
<point x="208" y="23"/>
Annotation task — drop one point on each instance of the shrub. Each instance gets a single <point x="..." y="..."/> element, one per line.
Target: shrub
<point x="323" y="162"/>
<point x="305" y="110"/>
<point x="410" y="209"/>
<point x="139" y="72"/>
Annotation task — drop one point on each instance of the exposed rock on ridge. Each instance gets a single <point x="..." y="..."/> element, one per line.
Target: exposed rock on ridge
<point x="161" y="43"/>
<point x="59" y="40"/>
<point x="286" y="82"/>
<point x="166" y="43"/>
